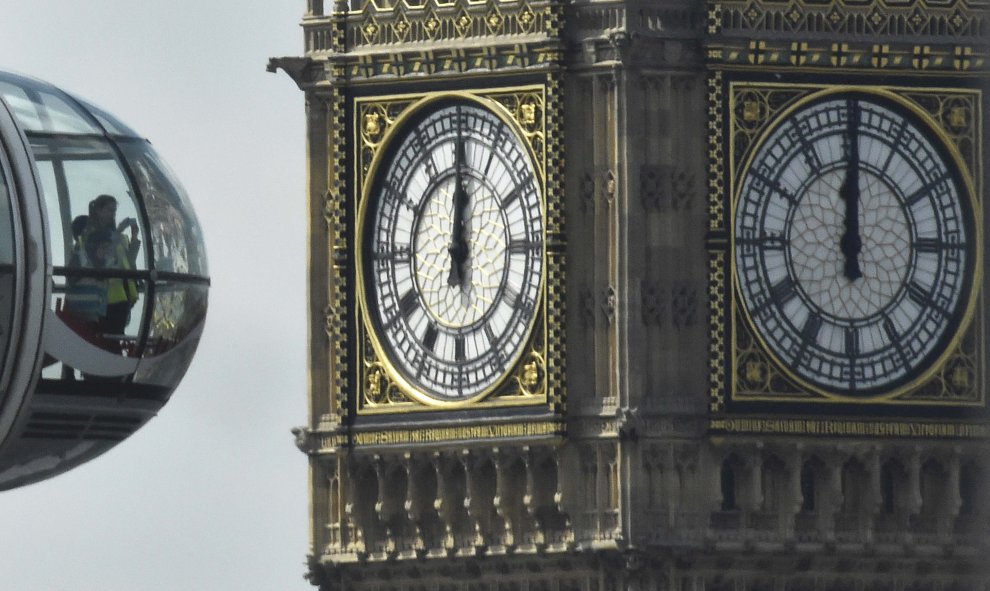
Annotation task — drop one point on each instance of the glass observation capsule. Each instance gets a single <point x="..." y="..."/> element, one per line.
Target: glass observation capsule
<point x="103" y="281"/>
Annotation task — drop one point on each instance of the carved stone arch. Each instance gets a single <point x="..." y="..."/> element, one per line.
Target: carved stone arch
<point x="894" y="486"/>
<point x="732" y="475"/>
<point x="973" y="483"/>
<point x="421" y="503"/>
<point x="396" y="484"/>
<point x="656" y="468"/>
<point x="855" y="487"/>
<point x="588" y="459"/>
<point x="686" y="471"/>
<point x="545" y="499"/>
<point x="773" y="484"/>
<point x="362" y="508"/>
<point x="482" y="485"/>
<point x="935" y="483"/>
<point x="452" y="485"/>
<point x="812" y="483"/>
<point x="543" y="489"/>
<point x="392" y="510"/>
<point x="511" y="491"/>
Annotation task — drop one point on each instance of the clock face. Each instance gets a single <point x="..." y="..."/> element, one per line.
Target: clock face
<point x="853" y="241"/>
<point x="453" y="251"/>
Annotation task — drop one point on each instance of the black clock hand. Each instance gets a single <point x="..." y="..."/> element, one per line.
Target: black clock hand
<point x="851" y="243"/>
<point x="458" y="241"/>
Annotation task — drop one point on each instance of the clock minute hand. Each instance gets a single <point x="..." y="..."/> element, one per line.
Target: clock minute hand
<point x="851" y="243"/>
<point x="458" y="248"/>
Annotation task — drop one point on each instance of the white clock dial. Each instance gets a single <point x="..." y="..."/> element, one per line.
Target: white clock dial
<point x="853" y="239"/>
<point x="454" y="242"/>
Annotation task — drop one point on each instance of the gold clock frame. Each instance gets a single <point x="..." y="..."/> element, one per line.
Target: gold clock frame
<point x="531" y="379"/>
<point x="752" y="111"/>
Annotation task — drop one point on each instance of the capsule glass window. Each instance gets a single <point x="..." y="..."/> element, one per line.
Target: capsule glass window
<point x="129" y="272"/>
<point x="103" y="281"/>
<point x="7" y="269"/>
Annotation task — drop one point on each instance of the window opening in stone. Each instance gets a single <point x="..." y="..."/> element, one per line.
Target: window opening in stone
<point x="854" y="480"/>
<point x="728" y="484"/>
<point x="969" y="477"/>
<point x="774" y="483"/>
<point x="808" y="487"/>
<point x="891" y="475"/>
<point x="933" y="481"/>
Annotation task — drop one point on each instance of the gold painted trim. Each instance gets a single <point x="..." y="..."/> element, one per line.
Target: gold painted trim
<point x="969" y="186"/>
<point x="848" y="428"/>
<point x="417" y="103"/>
<point x="451" y="434"/>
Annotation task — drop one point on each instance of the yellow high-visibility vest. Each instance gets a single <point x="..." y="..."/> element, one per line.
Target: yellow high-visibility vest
<point x="118" y="290"/>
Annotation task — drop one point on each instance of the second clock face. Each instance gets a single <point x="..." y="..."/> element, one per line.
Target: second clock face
<point x="852" y="238"/>
<point x="453" y="250"/>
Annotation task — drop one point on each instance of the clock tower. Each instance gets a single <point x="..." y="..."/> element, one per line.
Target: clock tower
<point x="626" y="294"/>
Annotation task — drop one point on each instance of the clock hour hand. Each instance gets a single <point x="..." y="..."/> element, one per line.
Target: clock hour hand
<point x="458" y="248"/>
<point x="851" y="243"/>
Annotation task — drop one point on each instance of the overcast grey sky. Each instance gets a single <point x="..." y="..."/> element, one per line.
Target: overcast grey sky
<point x="211" y="494"/>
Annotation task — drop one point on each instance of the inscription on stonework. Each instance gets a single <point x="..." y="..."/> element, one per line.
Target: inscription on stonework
<point x="848" y="428"/>
<point x="445" y="434"/>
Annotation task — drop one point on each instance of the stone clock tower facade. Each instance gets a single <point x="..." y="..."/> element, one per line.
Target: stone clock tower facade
<point x="668" y="294"/>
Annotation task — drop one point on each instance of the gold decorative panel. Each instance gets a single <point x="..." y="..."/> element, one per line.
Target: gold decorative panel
<point x="877" y="35"/>
<point x="744" y="377"/>
<point x="536" y="379"/>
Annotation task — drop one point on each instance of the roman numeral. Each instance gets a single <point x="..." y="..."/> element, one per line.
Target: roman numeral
<point x="492" y="339"/>
<point x="934" y="245"/>
<point x="510" y="296"/>
<point x="517" y="301"/>
<point x="924" y="191"/>
<point x="488" y="163"/>
<point x="430" y="338"/>
<point x="408" y="303"/>
<point x="512" y="196"/>
<point x="811" y="327"/>
<point x="852" y="341"/>
<point x="516" y="192"/>
<point x="894" y="336"/>
<point x="398" y="255"/>
<point x="524" y="246"/>
<point x="919" y="294"/>
<point x="890" y="329"/>
<point x="775" y="186"/>
<point x="923" y="297"/>
<point x="764" y="242"/>
<point x="459" y="349"/>
<point x="782" y="292"/>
